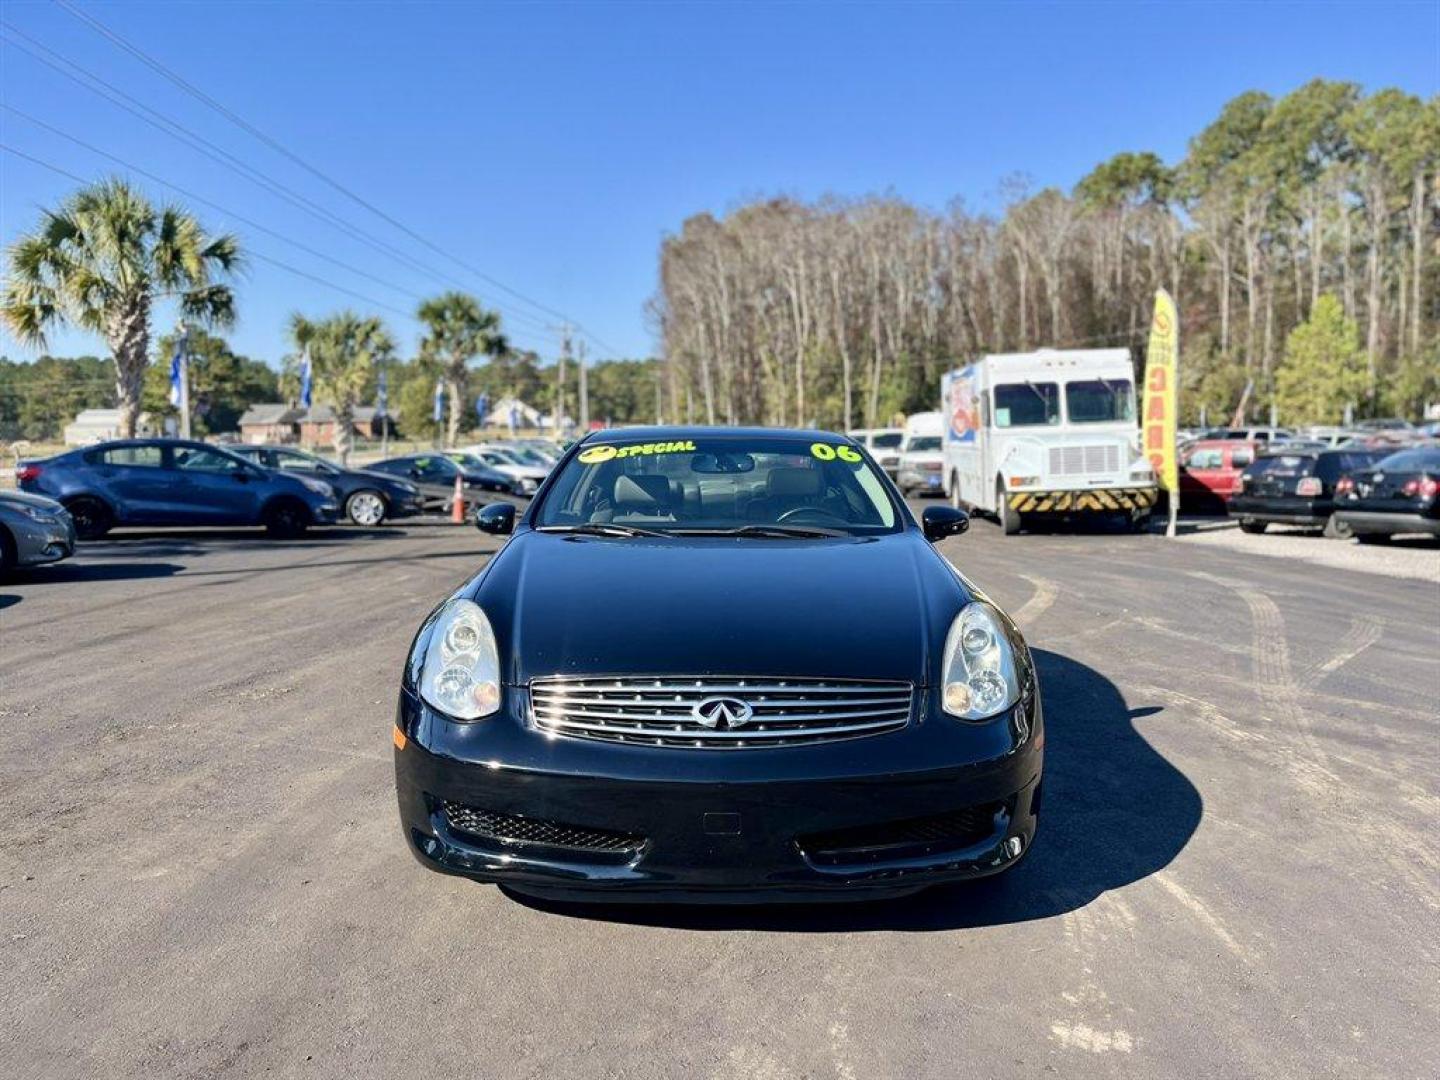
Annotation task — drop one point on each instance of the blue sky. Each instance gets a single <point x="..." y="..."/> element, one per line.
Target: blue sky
<point x="552" y="146"/>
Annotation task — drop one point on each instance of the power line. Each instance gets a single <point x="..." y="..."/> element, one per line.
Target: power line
<point x="253" y="254"/>
<point x="175" y="130"/>
<point x="251" y="129"/>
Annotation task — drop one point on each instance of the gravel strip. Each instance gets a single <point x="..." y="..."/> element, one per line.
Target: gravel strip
<point x="1408" y="557"/>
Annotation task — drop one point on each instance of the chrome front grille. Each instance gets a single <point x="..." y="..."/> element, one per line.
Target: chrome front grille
<point x="685" y="712"/>
<point x="1084" y="460"/>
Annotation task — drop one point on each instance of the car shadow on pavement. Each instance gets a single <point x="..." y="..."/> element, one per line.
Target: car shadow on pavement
<point x="81" y="571"/>
<point x="1115" y="811"/>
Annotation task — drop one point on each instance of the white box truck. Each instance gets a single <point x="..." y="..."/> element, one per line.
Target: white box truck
<point x="1048" y="433"/>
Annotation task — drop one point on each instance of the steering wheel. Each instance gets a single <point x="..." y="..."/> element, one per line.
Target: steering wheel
<point x="814" y="512"/>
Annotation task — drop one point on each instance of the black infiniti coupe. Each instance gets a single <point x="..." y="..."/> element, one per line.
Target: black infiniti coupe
<point x="718" y="665"/>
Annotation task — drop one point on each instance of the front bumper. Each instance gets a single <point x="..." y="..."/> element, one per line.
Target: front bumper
<point x="1089" y="500"/>
<point x="44" y="542"/>
<point x="1374" y="521"/>
<point x="325" y="513"/>
<point x="753" y="825"/>
<point x="1281" y="511"/>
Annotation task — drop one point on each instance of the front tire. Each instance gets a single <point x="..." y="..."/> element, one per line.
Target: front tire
<point x="365" y="507"/>
<point x="91" y="516"/>
<point x="1248" y="525"/>
<point x="9" y="558"/>
<point x="1009" y="517"/>
<point x="286" y="519"/>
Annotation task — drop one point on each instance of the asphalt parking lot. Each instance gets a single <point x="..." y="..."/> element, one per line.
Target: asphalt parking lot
<point x="202" y="874"/>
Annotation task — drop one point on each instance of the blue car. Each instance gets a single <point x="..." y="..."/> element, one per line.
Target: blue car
<point x="175" y="482"/>
<point x="365" y="496"/>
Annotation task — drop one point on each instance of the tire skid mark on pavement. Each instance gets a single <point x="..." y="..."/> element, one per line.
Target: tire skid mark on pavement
<point x="1364" y="631"/>
<point x="1202" y="914"/>
<point x="1088" y="1022"/>
<point x="1039" y="602"/>
<point x="1365" y="832"/>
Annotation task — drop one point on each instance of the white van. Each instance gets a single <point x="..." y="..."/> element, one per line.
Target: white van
<point x="1046" y="433"/>
<point x="921" y="455"/>
<point x="883" y="444"/>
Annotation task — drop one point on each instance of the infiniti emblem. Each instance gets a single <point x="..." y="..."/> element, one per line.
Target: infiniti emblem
<point x="722" y="712"/>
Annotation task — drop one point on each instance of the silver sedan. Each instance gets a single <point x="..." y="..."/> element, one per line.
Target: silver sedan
<point x="33" y="530"/>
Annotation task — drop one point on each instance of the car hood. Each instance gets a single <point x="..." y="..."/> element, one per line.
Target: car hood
<point x="854" y="608"/>
<point x="26" y="498"/>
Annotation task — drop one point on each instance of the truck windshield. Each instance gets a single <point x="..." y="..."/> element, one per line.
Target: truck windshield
<point x="923" y="444"/>
<point x="1099" y="401"/>
<point x="1027" y="405"/>
<point x="886" y="440"/>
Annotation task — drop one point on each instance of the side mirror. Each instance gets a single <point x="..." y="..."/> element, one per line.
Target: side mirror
<point x="942" y="521"/>
<point x="497" y="518"/>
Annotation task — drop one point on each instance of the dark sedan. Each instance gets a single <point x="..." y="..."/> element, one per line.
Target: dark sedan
<point x="1401" y="494"/>
<point x="718" y="665"/>
<point x="365" y="496"/>
<point x="174" y="482"/>
<point x="434" y="476"/>
<point x="1295" y="488"/>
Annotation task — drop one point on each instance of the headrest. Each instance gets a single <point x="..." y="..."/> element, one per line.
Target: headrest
<point x="642" y="491"/>
<point x="793" y="482"/>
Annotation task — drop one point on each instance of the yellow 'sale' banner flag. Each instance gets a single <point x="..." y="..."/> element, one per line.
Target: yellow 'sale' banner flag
<point x="1160" y="362"/>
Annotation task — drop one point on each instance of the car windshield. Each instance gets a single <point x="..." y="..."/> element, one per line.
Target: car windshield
<point x="886" y="440"/>
<point x="757" y="486"/>
<point x="923" y="444"/>
<point x="1098" y="401"/>
<point x="1410" y="461"/>
<point x="1027" y="405"/>
<point x="525" y="455"/>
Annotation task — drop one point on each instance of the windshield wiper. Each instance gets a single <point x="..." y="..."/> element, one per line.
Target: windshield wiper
<point x="603" y="528"/>
<point x="783" y="532"/>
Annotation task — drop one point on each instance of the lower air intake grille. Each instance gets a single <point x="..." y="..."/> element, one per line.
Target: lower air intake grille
<point x="909" y="839"/>
<point x="718" y="712"/>
<point x="513" y="829"/>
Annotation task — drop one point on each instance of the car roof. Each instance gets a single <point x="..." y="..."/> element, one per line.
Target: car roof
<point x="697" y="431"/>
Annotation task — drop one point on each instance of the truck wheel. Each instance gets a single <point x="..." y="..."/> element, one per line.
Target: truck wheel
<point x="1009" y="516"/>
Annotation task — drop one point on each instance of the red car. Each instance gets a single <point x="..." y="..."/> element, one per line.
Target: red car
<point x="1210" y="473"/>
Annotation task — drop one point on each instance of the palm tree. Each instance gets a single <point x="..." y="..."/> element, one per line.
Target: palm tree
<point x="459" y="330"/>
<point x="345" y="352"/>
<point x="101" y="261"/>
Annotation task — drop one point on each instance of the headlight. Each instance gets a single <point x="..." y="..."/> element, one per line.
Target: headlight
<point x="319" y="487"/>
<point x="461" y="673"/>
<point x="40" y="514"/>
<point x="410" y="489"/>
<point x="1146" y="474"/>
<point x="978" y="677"/>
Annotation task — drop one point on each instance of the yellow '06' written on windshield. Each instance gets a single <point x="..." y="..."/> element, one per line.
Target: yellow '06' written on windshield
<point x="826" y="452"/>
<point x="596" y="454"/>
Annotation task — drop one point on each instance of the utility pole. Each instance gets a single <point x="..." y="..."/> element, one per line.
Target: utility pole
<point x="560" y="378"/>
<point x="184" y="380"/>
<point x="584" y="389"/>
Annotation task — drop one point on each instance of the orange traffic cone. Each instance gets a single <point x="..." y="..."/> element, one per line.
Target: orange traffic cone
<point x="457" y="504"/>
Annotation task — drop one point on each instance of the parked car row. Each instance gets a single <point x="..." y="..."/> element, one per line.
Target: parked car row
<point x="83" y="493"/>
<point x="1369" y="494"/>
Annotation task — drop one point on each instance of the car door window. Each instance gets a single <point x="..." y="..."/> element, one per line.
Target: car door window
<point x="289" y="461"/>
<point x="1204" y="459"/>
<point x="199" y="460"/>
<point x="148" y="457"/>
